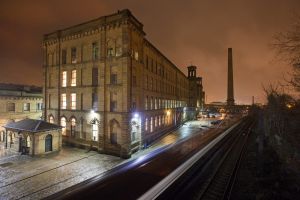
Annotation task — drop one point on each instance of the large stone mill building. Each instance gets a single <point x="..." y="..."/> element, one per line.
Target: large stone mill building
<point x="111" y="88"/>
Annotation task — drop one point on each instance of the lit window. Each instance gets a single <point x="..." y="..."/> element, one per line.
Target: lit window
<point x="151" y="124"/>
<point x="63" y="123"/>
<point x="159" y="104"/>
<point x="73" y="78"/>
<point x="95" y="132"/>
<point x="28" y="141"/>
<point x="73" y="101"/>
<point x="63" y="101"/>
<point x="159" y="121"/>
<point x="73" y="127"/>
<point x="26" y="107"/>
<point x="155" y="121"/>
<point x="51" y="119"/>
<point x="146" y="124"/>
<point x="64" y="79"/>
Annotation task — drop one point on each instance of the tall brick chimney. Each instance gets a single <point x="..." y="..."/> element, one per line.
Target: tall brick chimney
<point x="230" y="93"/>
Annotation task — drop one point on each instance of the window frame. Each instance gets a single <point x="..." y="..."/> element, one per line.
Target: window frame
<point x="63" y="100"/>
<point x="73" y="104"/>
<point x="74" y="78"/>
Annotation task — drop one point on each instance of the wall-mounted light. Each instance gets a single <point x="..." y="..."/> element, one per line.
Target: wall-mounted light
<point x="136" y="115"/>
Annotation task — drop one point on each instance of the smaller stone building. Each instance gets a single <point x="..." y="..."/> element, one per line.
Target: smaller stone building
<point x="34" y="137"/>
<point x="19" y="102"/>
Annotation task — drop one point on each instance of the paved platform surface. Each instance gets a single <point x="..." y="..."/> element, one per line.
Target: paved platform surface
<point x="25" y="177"/>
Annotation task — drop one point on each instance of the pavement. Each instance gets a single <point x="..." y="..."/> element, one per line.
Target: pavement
<point x="25" y="177"/>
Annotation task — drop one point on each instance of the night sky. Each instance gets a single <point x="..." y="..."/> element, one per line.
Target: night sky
<point x="190" y="31"/>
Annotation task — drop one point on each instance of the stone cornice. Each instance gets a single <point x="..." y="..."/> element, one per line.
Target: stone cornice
<point x="93" y="27"/>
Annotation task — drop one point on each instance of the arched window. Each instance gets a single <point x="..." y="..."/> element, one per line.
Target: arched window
<point x="51" y="119"/>
<point x="63" y="123"/>
<point x="73" y="127"/>
<point x="28" y="141"/>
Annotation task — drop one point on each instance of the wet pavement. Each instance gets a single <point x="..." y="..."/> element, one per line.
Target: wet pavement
<point x="25" y="177"/>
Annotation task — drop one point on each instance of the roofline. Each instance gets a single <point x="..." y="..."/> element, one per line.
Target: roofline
<point x="19" y="129"/>
<point x="120" y="12"/>
<point x="158" y="51"/>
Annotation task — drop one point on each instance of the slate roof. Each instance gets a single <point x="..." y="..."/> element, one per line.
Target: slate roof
<point x="18" y="87"/>
<point x="31" y="125"/>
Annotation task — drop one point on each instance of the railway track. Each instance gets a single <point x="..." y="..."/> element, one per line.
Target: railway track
<point x="221" y="183"/>
<point x="213" y="176"/>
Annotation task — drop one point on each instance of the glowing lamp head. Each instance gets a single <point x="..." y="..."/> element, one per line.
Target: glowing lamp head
<point x="289" y="106"/>
<point x="136" y="115"/>
<point x="92" y="111"/>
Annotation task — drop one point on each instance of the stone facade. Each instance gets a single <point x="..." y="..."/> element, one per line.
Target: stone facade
<point x="110" y="87"/>
<point x="37" y="147"/>
<point x="12" y="104"/>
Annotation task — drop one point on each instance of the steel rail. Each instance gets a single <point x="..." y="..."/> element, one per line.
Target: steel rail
<point x="159" y="188"/>
<point x="220" y="183"/>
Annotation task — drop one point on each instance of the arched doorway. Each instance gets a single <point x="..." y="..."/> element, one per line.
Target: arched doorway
<point x="73" y="126"/>
<point x="114" y="131"/>
<point x="48" y="143"/>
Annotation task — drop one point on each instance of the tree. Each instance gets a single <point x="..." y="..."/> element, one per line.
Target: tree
<point x="287" y="45"/>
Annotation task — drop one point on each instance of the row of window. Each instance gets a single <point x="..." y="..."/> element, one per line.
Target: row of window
<point x="74" y="54"/>
<point x="156" y="122"/>
<point x="94" y="103"/>
<point x="73" y="127"/>
<point x="112" y="50"/>
<point x="152" y="103"/>
<point x="73" y="78"/>
<point x="73" y="83"/>
<point x="159" y="69"/>
<point x="162" y="86"/>
<point x="11" y="107"/>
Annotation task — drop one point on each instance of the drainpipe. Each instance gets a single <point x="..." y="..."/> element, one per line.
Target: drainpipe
<point x="59" y="77"/>
<point x="5" y="138"/>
